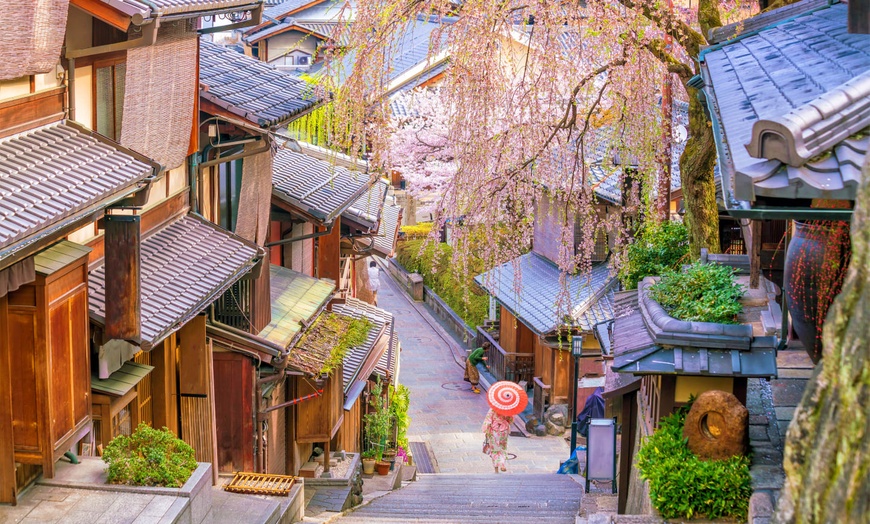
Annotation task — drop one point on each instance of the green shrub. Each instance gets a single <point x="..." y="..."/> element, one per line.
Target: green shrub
<point x="400" y="401"/>
<point x="685" y="486"/>
<point x="149" y="457"/>
<point x="659" y="247"/>
<point x="700" y="292"/>
<point x="435" y="264"/>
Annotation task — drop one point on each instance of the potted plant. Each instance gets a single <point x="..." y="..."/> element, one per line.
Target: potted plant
<point x="369" y="458"/>
<point x="390" y="457"/>
<point x="382" y="467"/>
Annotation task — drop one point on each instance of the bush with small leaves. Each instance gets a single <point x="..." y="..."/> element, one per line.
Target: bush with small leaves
<point x="149" y="457"/>
<point x="682" y="485"/>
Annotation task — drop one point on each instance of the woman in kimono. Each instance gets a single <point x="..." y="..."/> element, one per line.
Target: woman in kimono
<point x="496" y="429"/>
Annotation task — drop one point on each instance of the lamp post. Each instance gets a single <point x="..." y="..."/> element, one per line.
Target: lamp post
<point x="576" y="352"/>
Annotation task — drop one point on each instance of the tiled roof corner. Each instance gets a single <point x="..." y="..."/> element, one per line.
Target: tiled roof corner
<point x="795" y="92"/>
<point x="55" y="173"/>
<point x="807" y="131"/>
<point x="185" y="266"/>
<point x="249" y="88"/>
<point x="316" y="187"/>
<point x="367" y="209"/>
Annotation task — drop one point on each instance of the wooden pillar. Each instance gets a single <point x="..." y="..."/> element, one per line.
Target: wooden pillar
<point x="755" y="254"/>
<point x="164" y="395"/>
<point x="859" y="17"/>
<point x="122" y="277"/>
<point x="329" y="253"/>
<point x="629" y="431"/>
<point x="8" y="488"/>
<point x="667" y="396"/>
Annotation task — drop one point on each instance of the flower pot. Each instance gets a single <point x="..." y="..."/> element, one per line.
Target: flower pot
<point x="383" y="468"/>
<point x="814" y="270"/>
<point x="368" y="466"/>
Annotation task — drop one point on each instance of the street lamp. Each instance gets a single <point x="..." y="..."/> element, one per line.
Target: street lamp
<point x="576" y="352"/>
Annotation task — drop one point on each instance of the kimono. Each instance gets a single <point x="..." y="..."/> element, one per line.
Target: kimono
<point x="496" y="429"/>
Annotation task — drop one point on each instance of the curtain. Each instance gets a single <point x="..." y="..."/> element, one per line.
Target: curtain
<point x="16" y="275"/>
<point x="160" y="91"/>
<point x="255" y="198"/>
<point x="31" y="35"/>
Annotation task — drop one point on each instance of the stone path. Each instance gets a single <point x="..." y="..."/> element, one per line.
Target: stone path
<point x="443" y="410"/>
<point x="467" y="499"/>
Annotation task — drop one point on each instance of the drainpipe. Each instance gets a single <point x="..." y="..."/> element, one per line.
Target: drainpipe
<point x="194" y="196"/>
<point x="303" y="237"/>
<point x="71" y="88"/>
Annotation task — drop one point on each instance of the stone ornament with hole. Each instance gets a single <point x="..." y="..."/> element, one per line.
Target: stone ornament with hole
<point x="716" y="426"/>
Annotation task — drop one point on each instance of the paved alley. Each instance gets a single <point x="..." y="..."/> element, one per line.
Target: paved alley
<point x="444" y="412"/>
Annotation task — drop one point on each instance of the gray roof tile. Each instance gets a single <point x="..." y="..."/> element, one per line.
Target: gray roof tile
<point x="385" y="242"/>
<point x="252" y="89"/>
<point x="590" y="297"/>
<point x="727" y="32"/>
<point x="155" y="8"/>
<point x="57" y="171"/>
<point x="316" y="187"/>
<point x="774" y="72"/>
<point x="356" y="357"/>
<point x="366" y="210"/>
<point x="185" y="266"/>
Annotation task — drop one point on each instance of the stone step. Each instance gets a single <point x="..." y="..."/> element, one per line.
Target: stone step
<point x="540" y="498"/>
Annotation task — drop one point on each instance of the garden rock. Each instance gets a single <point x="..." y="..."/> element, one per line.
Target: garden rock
<point x="716" y="426"/>
<point x="532" y="423"/>
<point x="541" y="430"/>
<point x="556" y="419"/>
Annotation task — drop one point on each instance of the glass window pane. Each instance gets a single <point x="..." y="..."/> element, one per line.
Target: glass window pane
<point x="120" y="76"/>
<point x="104" y="102"/>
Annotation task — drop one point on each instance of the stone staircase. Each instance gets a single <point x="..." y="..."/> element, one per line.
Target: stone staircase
<point x="540" y="498"/>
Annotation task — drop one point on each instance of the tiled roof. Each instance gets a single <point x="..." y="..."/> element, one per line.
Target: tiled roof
<point x="185" y="266"/>
<point x="316" y="187"/>
<point x="635" y="352"/>
<point x="154" y="8"/>
<point x="376" y="345"/>
<point x="423" y="77"/>
<point x="604" y="174"/>
<point x="282" y="9"/>
<point x="318" y="343"/>
<point x="791" y="82"/>
<point x="252" y="89"/>
<point x="59" y="172"/>
<point x="388" y="365"/>
<point x="535" y="304"/>
<point x="413" y="45"/>
<point x="385" y="242"/>
<point x="296" y="299"/>
<point x="366" y="210"/>
<point x="750" y="25"/>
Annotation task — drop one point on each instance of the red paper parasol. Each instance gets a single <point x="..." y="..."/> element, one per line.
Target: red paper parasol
<point x="507" y="398"/>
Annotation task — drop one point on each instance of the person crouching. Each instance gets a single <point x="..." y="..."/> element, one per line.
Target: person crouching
<point x="471" y="373"/>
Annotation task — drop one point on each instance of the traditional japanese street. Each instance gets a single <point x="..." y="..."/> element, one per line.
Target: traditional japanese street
<point x="434" y="261"/>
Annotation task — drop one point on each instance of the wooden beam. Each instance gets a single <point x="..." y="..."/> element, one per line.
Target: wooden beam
<point x="123" y="301"/>
<point x="755" y="254"/>
<point x="8" y="484"/>
<point x="193" y="358"/>
<point x="329" y="253"/>
<point x="104" y="12"/>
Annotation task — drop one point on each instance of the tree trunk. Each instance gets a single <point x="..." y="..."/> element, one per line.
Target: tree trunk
<point x="827" y="453"/>
<point x="699" y="187"/>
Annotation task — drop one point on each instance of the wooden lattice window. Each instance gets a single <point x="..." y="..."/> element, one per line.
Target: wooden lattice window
<point x="143" y="389"/>
<point x="108" y="91"/>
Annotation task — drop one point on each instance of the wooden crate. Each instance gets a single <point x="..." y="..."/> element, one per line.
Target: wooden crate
<point x="261" y="484"/>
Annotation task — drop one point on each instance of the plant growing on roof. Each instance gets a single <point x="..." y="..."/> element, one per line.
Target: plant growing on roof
<point x="354" y="335"/>
<point x="327" y="341"/>
<point x="149" y="457"/>
<point x="700" y="292"/>
<point x="377" y="420"/>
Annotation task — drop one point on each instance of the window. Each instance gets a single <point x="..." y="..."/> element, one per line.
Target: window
<point x="109" y="97"/>
<point x="229" y="188"/>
